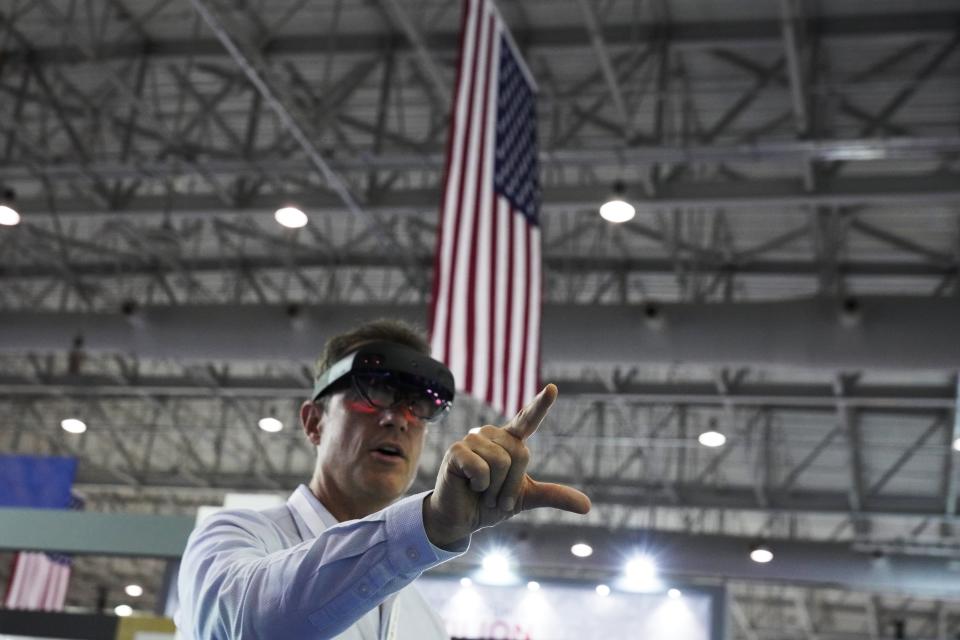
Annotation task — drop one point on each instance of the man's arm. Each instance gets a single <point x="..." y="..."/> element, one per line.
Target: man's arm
<point x="232" y="586"/>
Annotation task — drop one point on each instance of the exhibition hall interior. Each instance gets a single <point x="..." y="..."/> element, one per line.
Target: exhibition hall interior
<point x="743" y="277"/>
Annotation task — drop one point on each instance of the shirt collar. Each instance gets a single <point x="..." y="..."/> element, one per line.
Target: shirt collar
<point x="311" y="510"/>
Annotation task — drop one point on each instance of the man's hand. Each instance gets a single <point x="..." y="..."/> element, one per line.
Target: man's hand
<point x="483" y="479"/>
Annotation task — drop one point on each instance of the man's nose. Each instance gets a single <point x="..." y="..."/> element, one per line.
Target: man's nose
<point x="397" y="416"/>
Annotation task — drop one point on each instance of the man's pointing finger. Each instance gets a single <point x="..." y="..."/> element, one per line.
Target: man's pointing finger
<point x="526" y="422"/>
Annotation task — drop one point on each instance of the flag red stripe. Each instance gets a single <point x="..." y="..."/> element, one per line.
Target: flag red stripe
<point x="494" y="265"/>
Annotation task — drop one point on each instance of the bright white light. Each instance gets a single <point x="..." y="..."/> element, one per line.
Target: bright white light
<point x="617" y="211"/>
<point x="956" y="444"/>
<point x="533" y="585"/>
<point x="496" y="569"/>
<point x="761" y="554"/>
<point x="270" y="425"/>
<point x="8" y="217"/>
<point x="465" y="582"/>
<point x="581" y="550"/>
<point x="123" y="610"/>
<point x="291" y="217"/>
<point x="496" y="562"/>
<point x="674" y="594"/>
<point x="712" y="439"/>
<point x="641" y="568"/>
<point x="72" y="425"/>
<point x="603" y="590"/>
<point x="133" y="590"/>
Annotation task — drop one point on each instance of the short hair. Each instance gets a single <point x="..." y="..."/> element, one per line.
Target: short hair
<point x="384" y="329"/>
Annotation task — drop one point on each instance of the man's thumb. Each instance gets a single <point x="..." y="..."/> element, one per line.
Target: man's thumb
<point x="554" y="496"/>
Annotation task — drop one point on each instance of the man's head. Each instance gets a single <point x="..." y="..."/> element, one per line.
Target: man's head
<point x="367" y="449"/>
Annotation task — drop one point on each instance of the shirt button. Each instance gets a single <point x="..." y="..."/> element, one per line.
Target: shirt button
<point x="412" y="553"/>
<point x="363" y="589"/>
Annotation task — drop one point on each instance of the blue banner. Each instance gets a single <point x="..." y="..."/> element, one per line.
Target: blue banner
<point x="41" y="482"/>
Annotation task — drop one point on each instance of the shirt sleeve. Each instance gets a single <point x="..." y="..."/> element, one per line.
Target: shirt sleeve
<point x="232" y="587"/>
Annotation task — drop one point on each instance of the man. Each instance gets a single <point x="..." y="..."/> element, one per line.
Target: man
<point x="335" y="559"/>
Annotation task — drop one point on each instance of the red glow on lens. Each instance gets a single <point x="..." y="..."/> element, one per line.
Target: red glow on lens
<point x="360" y="406"/>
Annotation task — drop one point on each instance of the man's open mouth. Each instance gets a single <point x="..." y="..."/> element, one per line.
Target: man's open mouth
<point x="390" y="450"/>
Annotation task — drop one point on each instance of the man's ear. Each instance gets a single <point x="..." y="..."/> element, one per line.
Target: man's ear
<point x="311" y="420"/>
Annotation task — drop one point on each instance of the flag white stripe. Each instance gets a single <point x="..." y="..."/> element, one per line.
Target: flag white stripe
<point x="503" y="217"/>
<point x="533" y="335"/>
<point x="516" y="317"/>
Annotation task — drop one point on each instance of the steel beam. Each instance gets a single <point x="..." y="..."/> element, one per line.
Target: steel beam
<point x="894" y="333"/>
<point x="897" y="148"/>
<point x="743" y="34"/>
<point x="768" y="194"/>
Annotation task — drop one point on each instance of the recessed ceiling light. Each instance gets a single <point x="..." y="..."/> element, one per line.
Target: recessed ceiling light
<point x="761" y="553"/>
<point x="533" y="585"/>
<point x="123" y="610"/>
<point x="712" y="439"/>
<point x="72" y="425"/>
<point x="581" y="550"/>
<point x="291" y="217"/>
<point x="465" y="582"/>
<point x="270" y="425"/>
<point x="133" y="590"/>
<point x="8" y="216"/>
<point x="603" y="590"/>
<point x="673" y="594"/>
<point x="617" y="209"/>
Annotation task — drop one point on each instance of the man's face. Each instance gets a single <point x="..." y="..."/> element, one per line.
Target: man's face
<point x="366" y="457"/>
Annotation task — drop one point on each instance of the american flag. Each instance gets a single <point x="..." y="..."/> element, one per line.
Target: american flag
<point x="39" y="580"/>
<point x="485" y="311"/>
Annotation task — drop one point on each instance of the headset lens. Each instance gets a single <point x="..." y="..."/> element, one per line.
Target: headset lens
<point x="385" y="391"/>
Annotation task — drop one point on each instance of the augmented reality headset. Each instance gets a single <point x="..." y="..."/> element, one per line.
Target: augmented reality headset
<point x="377" y="367"/>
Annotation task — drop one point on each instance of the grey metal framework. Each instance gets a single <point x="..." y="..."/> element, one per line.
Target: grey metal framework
<point x="775" y="151"/>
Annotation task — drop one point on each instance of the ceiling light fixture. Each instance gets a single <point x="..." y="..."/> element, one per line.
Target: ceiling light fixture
<point x="533" y="585"/>
<point x="603" y="590"/>
<point x="123" y="610"/>
<point x="270" y="424"/>
<point x="712" y="439"/>
<point x="581" y="550"/>
<point x="133" y="590"/>
<point x="617" y="209"/>
<point x="761" y="553"/>
<point x="291" y="217"/>
<point x="73" y="425"/>
<point x="8" y="214"/>
<point x="674" y="594"/>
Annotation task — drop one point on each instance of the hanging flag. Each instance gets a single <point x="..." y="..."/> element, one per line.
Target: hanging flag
<point x="38" y="580"/>
<point x="485" y="308"/>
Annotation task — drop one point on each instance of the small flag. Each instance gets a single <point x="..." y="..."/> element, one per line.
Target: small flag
<point x="39" y="580"/>
<point x="485" y="308"/>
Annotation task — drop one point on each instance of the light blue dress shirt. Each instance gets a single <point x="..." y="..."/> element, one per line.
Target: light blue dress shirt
<point x="294" y="572"/>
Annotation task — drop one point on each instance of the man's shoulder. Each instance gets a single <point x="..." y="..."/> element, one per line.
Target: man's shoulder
<point x="273" y="526"/>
